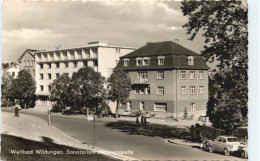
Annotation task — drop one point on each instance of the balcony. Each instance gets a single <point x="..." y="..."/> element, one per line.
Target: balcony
<point x="140" y="81"/>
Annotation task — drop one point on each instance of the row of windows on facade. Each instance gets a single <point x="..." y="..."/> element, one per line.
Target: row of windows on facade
<point x="50" y="75"/>
<point x="28" y="62"/>
<point x="161" y="90"/>
<point x="146" y="61"/>
<point x="66" y="64"/>
<point x="160" y="75"/>
<point x="71" y="54"/>
<point x="160" y="107"/>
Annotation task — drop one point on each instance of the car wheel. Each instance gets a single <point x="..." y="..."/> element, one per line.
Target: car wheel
<point x="226" y="151"/>
<point x="243" y="154"/>
<point x="210" y="149"/>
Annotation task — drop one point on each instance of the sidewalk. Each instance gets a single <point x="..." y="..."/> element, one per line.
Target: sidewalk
<point x="32" y="128"/>
<point x="154" y="120"/>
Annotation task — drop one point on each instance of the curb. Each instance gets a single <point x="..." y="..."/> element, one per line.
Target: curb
<point x="186" y="144"/>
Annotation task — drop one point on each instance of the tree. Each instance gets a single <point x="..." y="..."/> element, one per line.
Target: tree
<point x="23" y="89"/>
<point x="5" y="88"/>
<point x="87" y="88"/>
<point x="224" y="26"/>
<point x="60" y="91"/>
<point x="119" y="85"/>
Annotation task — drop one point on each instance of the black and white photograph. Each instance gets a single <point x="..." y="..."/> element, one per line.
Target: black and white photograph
<point x="124" y="80"/>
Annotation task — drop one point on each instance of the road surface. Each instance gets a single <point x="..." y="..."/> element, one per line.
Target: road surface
<point x="143" y="147"/>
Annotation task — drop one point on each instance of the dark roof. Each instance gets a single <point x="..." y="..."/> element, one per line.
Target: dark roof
<point x="175" y="57"/>
<point x="160" y="48"/>
<point x="31" y="51"/>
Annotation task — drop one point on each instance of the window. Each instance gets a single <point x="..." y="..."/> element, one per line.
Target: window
<point x="192" y="89"/>
<point x="57" y="75"/>
<point x="41" y="76"/>
<point x="147" y="90"/>
<point x="190" y="60"/>
<point x="160" y="107"/>
<point x="142" y="75"/>
<point x="66" y="64"/>
<point x="139" y="61"/>
<point x="49" y="88"/>
<point x="75" y="64"/>
<point x="183" y="74"/>
<point x="49" y="75"/>
<point x="160" y="75"/>
<point x="117" y="50"/>
<point x="95" y="63"/>
<point x="201" y="90"/>
<point x="32" y="62"/>
<point x="183" y="90"/>
<point x="25" y="64"/>
<point x="13" y="74"/>
<point x="192" y="74"/>
<point x="85" y="63"/>
<point x="72" y="55"/>
<point x="161" y="60"/>
<point x="129" y="105"/>
<point x="160" y="90"/>
<point x="142" y="90"/>
<point x="67" y="74"/>
<point x="141" y="105"/>
<point x="57" y="65"/>
<point x="126" y="62"/>
<point x="49" y="65"/>
<point x="193" y="106"/>
<point x="200" y="74"/>
<point x="65" y="56"/>
<point x="146" y="61"/>
<point x="41" y="87"/>
<point x="219" y="139"/>
<point x="41" y="66"/>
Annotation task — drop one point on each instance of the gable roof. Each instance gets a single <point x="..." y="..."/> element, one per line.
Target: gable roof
<point x="160" y="48"/>
<point x="11" y="65"/>
<point x="31" y="51"/>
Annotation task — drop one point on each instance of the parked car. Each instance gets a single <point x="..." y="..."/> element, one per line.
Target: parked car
<point x="126" y="112"/>
<point x="13" y="107"/>
<point x="134" y="113"/>
<point x="226" y="144"/>
<point x="244" y="152"/>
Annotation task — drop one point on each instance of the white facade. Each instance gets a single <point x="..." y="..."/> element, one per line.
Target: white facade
<point x="49" y="64"/>
<point x="13" y="69"/>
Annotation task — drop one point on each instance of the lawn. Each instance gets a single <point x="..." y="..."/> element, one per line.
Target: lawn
<point x="16" y="143"/>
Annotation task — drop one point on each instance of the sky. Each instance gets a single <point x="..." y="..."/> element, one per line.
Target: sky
<point x="42" y="25"/>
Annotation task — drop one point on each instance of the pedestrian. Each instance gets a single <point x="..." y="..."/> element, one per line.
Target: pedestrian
<point x="142" y="120"/>
<point x="137" y="120"/>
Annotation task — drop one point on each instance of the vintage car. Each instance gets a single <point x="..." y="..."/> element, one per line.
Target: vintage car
<point x="244" y="152"/>
<point x="226" y="144"/>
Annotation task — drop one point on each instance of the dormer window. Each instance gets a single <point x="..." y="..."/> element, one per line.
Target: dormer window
<point x="126" y="62"/>
<point x="146" y="61"/>
<point x="161" y="60"/>
<point x="139" y="61"/>
<point x="190" y="60"/>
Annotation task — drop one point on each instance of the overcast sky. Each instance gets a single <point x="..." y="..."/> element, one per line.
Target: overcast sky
<point x="42" y="25"/>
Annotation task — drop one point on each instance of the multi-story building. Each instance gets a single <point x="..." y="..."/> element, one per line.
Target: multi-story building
<point x="27" y="61"/>
<point x="51" y="64"/>
<point x="166" y="78"/>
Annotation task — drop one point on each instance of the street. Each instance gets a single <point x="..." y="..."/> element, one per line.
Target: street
<point x="143" y="147"/>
